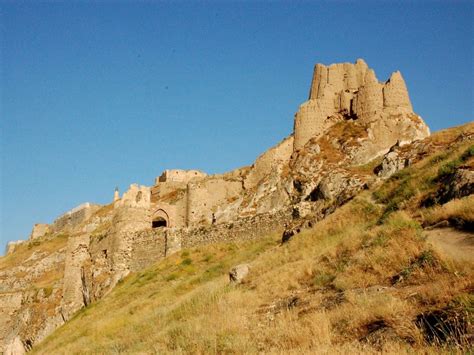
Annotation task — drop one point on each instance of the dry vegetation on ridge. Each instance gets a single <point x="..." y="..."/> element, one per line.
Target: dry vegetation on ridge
<point x="362" y="280"/>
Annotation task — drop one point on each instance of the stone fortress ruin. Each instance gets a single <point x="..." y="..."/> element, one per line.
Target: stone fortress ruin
<point x="338" y="92"/>
<point x="349" y="119"/>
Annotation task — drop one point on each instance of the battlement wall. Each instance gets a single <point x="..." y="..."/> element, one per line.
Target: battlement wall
<point x="348" y="91"/>
<point x="75" y="216"/>
<point x="179" y="175"/>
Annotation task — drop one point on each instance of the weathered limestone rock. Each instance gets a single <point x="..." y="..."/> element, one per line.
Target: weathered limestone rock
<point x="238" y="273"/>
<point x="462" y="183"/>
<point x="15" y="347"/>
<point x="206" y="195"/>
<point x="458" y="184"/>
<point x="391" y="163"/>
<point x="385" y="132"/>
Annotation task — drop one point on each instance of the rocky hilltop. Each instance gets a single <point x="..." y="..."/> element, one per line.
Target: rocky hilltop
<point x="352" y="133"/>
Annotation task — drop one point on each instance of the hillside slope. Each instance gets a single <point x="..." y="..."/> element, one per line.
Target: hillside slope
<point x="363" y="279"/>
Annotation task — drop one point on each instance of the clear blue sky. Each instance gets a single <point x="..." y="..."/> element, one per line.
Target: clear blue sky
<point x="98" y="95"/>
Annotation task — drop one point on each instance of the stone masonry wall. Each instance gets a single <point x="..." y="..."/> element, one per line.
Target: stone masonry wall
<point x="74" y="217"/>
<point x="150" y="246"/>
<point x="207" y="195"/>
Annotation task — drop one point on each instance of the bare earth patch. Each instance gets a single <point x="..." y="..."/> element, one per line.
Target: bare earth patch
<point x="456" y="244"/>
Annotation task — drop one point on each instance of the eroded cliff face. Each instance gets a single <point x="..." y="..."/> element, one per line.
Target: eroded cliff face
<point x="350" y="120"/>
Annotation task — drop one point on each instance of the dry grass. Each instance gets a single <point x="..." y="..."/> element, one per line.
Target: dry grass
<point x="46" y="245"/>
<point x="185" y="304"/>
<point x="355" y="283"/>
<point x="105" y="210"/>
<point x="462" y="209"/>
<point x="447" y="136"/>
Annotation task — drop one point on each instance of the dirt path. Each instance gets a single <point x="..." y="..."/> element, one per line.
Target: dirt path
<point x="458" y="245"/>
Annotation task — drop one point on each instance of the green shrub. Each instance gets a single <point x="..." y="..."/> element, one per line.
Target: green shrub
<point x="186" y="261"/>
<point x="448" y="168"/>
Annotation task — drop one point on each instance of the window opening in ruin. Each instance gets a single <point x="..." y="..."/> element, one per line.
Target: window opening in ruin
<point x="159" y="222"/>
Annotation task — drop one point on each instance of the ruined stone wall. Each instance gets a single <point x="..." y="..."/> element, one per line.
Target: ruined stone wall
<point x="39" y="230"/>
<point x="207" y="195"/>
<point x="150" y="246"/>
<point x="395" y="93"/>
<point x="249" y="228"/>
<point x="179" y="176"/>
<point x="132" y="214"/>
<point x="348" y="91"/>
<point x="74" y="217"/>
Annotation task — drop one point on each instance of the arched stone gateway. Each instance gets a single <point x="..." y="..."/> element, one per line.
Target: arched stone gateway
<point x="160" y="219"/>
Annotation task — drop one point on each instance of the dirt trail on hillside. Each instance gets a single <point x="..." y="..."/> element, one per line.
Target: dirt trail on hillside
<point x="459" y="245"/>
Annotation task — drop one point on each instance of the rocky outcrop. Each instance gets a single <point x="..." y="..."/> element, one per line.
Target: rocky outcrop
<point x="461" y="184"/>
<point x="15" y="347"/>
<point x="238" y="273"/>
<point x="392" y="162"/>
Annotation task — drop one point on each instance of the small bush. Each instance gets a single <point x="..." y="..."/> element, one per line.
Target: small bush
<point x="186" y="261"/>
<point x="207" y="258"/>
<point x="171" y="277"/>
<point x="323" y="279"/>
<point x="448" y="168"/>
<point x="468" y="153"/>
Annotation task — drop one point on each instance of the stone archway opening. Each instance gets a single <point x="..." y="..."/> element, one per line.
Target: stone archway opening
<point x="159" y="222"/>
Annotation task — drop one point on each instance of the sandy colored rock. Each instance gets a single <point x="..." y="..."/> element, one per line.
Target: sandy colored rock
<point x="39" y="230"/>
<point x="15" y="347"/>
<point x="238" y="273"/>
